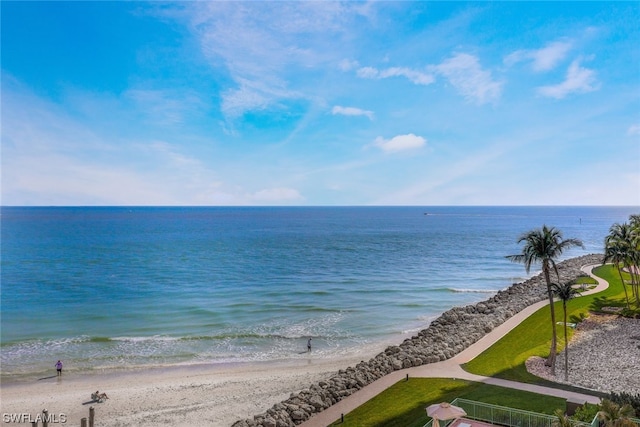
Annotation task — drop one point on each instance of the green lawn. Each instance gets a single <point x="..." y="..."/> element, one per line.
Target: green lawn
<point x="403" y="404"/>
<point x="505" y="359"/>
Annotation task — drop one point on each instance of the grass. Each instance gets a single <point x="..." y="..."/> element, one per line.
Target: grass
<point x="505" y="359"/>
<point x="403" y="404"/>
<point x="605" y="299"/>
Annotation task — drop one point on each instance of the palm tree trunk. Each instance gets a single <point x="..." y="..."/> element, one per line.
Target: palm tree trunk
<point x="624" y="286"/>
<point x="551" y="360"/>
<point x="566" y="344"/>
<point x="635" y="274"/>
<point x="635" y="282"/>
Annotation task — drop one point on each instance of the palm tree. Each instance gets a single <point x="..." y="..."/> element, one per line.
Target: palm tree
<point x="621" y="248"/>
<point x="614" y="415"/>
<point x="563" y="419"/>
<point x="634" y="223"/>
<point x="615" y="252"/>
<point x="544" y="246"/>
<point x="565" y="292"/>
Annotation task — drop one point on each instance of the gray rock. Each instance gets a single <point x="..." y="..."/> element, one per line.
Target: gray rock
<point x="269" y="422"/>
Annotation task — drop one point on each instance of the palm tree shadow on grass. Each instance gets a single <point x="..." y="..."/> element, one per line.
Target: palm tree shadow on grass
<point x="603" y="301"/>
<point x="577" y="318"/>
<point x="520" y="374"/>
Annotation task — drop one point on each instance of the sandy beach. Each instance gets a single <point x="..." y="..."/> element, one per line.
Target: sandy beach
<point x="176" y="396"/>
<point x="213" y="395"/>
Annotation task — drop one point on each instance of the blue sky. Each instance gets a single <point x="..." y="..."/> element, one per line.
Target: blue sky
<point x="320" y="103"/>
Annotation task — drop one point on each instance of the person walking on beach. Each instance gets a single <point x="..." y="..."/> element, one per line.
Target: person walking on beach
<point x="309" y="346"/>
<point x="100" y="396"/>
<point x="59" y="368"/>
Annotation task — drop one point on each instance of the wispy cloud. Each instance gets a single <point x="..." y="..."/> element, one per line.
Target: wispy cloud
<point x="52" y="157"/>
<point x="543" y="59"/>
<point x="277" y="194"/>
<point x="261" y="44"/>
<point x="400" y="143"/>
<point x="252" y="95"/>
<point x="164" y="106"/>
<point x="348" y="65"/>
<point x="465" y="73"/>
<point x="462" y="70"/>
<point x="634" y="130"/>
<point x="351" y="111"/>
<point x="414" y="76"/>
<point x="578" y="80"/>
<point x="439" y="182"/>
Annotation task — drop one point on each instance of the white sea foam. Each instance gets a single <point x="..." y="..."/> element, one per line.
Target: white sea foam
<point x="473" y="291"/>
<point x="143" y="339"/>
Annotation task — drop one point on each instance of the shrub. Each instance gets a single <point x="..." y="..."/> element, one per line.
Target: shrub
<point x="586" y="413"/>
<point x="624" y="397"/>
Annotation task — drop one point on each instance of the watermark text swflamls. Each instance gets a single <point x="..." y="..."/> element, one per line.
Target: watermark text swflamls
<point x="27" y="418"/>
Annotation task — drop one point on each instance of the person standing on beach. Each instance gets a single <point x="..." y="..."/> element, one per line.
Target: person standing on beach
<point x="309" y="346"/>
<point x="59" y="368"/>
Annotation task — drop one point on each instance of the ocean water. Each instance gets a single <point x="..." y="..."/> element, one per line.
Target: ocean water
<point x="122" y="287"/>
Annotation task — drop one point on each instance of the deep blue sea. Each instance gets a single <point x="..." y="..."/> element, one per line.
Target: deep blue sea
<point x="121" y="287"/>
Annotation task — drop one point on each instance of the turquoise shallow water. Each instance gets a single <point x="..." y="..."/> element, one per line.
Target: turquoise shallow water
<point x="124" y="287"/>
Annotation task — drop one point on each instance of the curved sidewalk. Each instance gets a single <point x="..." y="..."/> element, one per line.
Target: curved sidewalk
<point x="451" y="368"/>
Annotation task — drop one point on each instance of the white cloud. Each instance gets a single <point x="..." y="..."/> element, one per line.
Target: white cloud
<point x="262" y="45"/>
<point x="255" y="96"/>
<point x="164" y="106"/>
<point x="414" y="76"/>
<point x="456" y="175"/>
<point x="52" y="158"/>
<point x="278" y="194"/>
<point x="236" y="102"/>
<point x="462" y="70"/>
<point x="465" y="74"/>
<point x="351" y="111"/>
<point x="368" y="73"/>
<point x="543" y="59"/>
<point x="400" y="143"/>
<point x="578" y="80"/>
<point x="348" y="65"/>
<point x="634" y="130"/>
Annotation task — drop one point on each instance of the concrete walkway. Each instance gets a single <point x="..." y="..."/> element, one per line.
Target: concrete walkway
<point x="451" y="369"/>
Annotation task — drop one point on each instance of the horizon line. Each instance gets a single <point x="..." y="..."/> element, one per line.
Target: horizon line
<point x="322" y="206"/>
